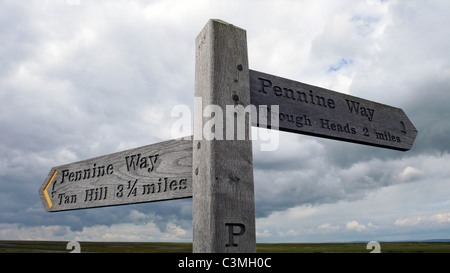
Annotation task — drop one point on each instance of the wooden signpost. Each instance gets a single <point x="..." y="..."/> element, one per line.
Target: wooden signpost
<point x="155" y="172"/>
<point x="224" y="203"/>
<point x="311" y="110"/>
<point x="217" y="171"/>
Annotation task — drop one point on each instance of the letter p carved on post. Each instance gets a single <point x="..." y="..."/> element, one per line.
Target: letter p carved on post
<point x="223" y="190"/>
<point x="232" y="233"/>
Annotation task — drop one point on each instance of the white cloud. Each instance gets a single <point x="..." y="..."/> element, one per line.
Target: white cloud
<point x="136" y="216"/>
<point x="354" y="225"/>
<point x="425" y="221"/>
<point x="263" y="234"/>
<point x="408" y="222"/>
<point x="409" y="173"/>
<point x="329" y="228"/>
<point x="441" y="218"/>
<point x="117" y="232"/>
<point x="15" y="232"/>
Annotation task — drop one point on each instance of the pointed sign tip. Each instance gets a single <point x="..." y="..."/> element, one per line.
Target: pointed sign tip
<point x="47" y="197"/>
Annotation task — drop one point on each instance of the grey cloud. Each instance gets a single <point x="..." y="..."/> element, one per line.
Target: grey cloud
<point x="413" y="63"/>
<point x="279" y="189"/>
<point x="76" y="85"/>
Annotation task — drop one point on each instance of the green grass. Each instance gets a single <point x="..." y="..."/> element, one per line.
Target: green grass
<point x="132" y="247"/>
<point x="93" y="247"/>
<point x="386" y="247"/>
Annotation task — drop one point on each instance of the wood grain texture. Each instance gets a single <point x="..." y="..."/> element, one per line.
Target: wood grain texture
<point x="311" y="110"/>
<point x="223" y="190"/>
<point x="156" y="172"/>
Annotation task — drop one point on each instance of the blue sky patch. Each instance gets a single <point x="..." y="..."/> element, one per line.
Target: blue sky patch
<point x="340" y="64"/>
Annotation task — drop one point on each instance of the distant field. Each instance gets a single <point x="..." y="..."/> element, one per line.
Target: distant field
<point x="132" y="247"/>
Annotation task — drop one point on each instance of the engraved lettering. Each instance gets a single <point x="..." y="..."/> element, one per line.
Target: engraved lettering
<point x="388" y="136"/>
<point x="133" y="161"/>
<point x="299" y="121"/>
<point x="232" y="233"/>
<point x="264" y="83"/>
<point x="380" y="136"/>
<point x="119" y="190"/>
<point x="109" y="169"/>
<point x="277" y="91"/>
<point x="326" y="124"/>
<point x="95" y="194"/>
<point x="311" y="96"/>
<point x="132" y="188"/>
<point x="403" y="128"/>
<point x="173" y="185"/>
<point x="289" y="91"/>
<point x="331" y="104"/>
<point x="87" y="173"/>
<point x="354" y="106"/>
<point x="153" y="159"/>
<point x="366" y="131"/>
<point x="297" y="95"/>
<point x="320" y="100"/>
<point x="302" y="120"/>
<point x="148" y="188"/>
<point x="302" y="96"/>
<point x="163" y="185"/>
<point x="65" y="173"/>
<point x="101" y="171"/>
<point x="67" y="199"/>
<point x="96" y="171"/>
<point x="77" y="175"/>
<point x="143" y="163"/>
<point x="182" y="184"/>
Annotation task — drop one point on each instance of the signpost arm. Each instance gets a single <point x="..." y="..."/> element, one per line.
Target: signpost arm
<point x="223" y="190"/>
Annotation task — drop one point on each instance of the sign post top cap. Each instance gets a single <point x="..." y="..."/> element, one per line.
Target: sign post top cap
<point x="223" y="23"/>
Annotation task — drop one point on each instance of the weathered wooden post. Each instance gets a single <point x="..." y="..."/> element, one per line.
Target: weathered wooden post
<point x="223" y="190"/>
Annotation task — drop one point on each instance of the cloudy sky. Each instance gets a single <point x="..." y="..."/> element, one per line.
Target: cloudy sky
<point x="85" y="78"/>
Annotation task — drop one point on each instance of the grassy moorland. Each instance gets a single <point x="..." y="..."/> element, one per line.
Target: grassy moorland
<point x="144" y="247"/>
